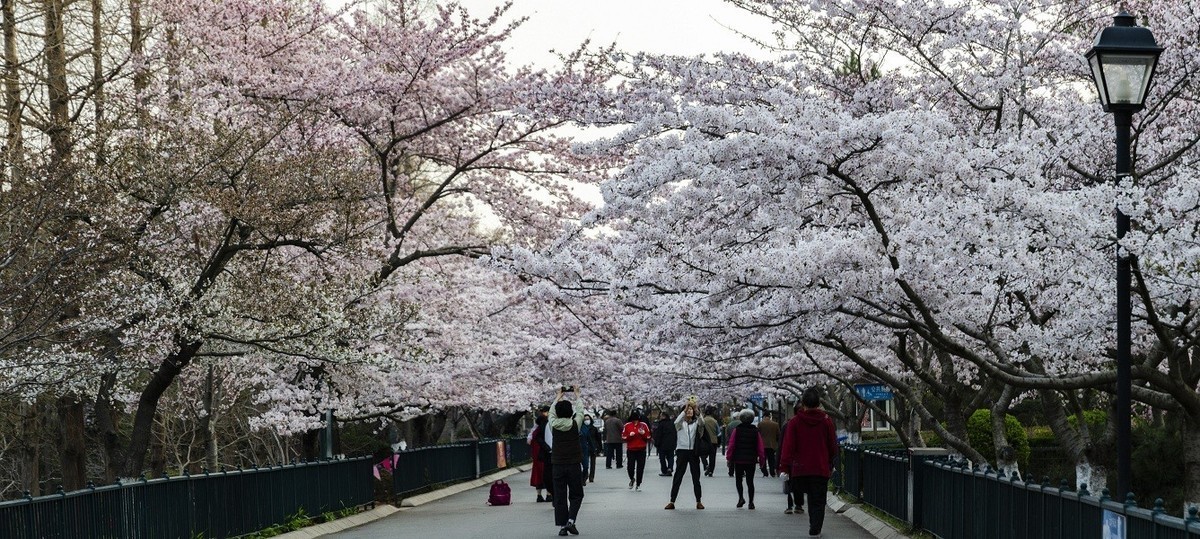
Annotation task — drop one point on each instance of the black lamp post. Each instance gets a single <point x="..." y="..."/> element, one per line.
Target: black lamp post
<point x="1122" y="62"/>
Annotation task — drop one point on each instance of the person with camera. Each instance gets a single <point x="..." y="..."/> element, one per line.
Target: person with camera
<point x="689" y="427"/>
<point x="566" y="422"/>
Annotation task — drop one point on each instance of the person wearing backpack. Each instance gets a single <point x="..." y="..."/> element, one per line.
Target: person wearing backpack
<point x="566" y="421"/>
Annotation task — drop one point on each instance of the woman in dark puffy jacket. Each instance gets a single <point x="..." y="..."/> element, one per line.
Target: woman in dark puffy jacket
<point x="745" y="452"/>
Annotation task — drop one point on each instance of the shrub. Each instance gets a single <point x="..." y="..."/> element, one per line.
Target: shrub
<point x="1096" y="421"/>
<point x="979" y="435"/>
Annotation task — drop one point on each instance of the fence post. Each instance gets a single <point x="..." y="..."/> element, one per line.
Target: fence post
<point x="475" y="446"/>
<point x="917" y="457"/>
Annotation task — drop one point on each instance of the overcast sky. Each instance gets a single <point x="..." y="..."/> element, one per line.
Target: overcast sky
<point x="686" y="27"/>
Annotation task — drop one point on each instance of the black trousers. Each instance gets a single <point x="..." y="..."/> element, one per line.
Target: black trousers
<point x="744" y="471"/>
<point x="592" y="468"/>
<point x="814" y="488"/>
<point x="612" y="449"/>
<point x="637" y="465"/>
<point x="769" y="467"/>
<point x="568" y="483"/>
<point x="685" y="460"/>
<point x="712" y="460"/>
<point x="666" y="460"/>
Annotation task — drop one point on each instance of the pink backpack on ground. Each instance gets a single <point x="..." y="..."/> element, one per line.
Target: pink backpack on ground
<point x="500" y="494"/>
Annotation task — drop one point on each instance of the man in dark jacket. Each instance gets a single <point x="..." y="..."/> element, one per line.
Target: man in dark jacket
<point x="807" y="456"/>
<point x="664" y="440"/>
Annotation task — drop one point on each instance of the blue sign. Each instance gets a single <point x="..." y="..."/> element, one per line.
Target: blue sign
<point x="873" y="392"/>
<point x="1114" y="525"/>
<point x="757" y="398"/>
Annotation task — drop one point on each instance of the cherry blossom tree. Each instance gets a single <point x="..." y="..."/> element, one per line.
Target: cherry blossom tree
<point x="937" y="168"/>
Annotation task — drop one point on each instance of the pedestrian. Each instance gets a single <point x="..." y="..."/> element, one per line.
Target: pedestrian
<point x="664" y="440"/>
<point x="612" y="440"/>
<point x="688" y="427"/>
<point x="807" y="456"/>
<point x="769" y="430"/>
<point x="712" y="430"/>
<point x="744" y="451"/>
<point x="589" y="437"/>
<point x="566" y="422"/>
<point x="539" y="475"/>
<point x="733" y="423"/>
<point x="636" y="435"/>
<point x="794" y="499"/>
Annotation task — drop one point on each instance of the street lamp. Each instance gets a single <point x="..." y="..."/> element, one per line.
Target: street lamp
<point x="1122" y="62"/>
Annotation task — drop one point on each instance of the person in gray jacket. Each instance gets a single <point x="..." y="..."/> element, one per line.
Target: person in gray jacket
<point x="612" y="440"/>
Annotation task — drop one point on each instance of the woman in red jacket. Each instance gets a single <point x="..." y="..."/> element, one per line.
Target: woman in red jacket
<point x="807" y="456"/>
<point x="635" y="435"/>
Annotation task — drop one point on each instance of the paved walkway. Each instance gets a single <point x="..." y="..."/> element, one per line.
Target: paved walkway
<point x="610" y="509"/>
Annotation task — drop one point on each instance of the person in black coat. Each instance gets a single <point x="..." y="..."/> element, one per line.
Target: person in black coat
<point x="664" y="440"/>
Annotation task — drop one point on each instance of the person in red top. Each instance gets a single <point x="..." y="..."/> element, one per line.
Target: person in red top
<point x="635" y="435"/>
<point x="807" y="456"/>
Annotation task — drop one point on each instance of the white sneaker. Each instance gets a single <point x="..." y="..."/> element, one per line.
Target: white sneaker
<point x="638" y="488"/>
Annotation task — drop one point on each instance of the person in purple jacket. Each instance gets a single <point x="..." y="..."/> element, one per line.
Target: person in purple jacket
<point x="745" y="453"/>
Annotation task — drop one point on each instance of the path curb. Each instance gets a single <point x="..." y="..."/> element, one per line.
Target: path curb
<point x="874" y="526"/>
<point x="381" y="511"/>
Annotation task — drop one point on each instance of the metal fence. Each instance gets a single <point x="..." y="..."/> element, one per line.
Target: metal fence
<point x="423" y="467"/>
<point x="961" y="502"/>
<point x="952" y="501"/>
<point x="218" y="504"/>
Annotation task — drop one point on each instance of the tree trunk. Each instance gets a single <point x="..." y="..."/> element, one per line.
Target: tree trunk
<point x="56" y="86"/>
<point x="107" y="418"/>
<point x="72" y="449"/>
<point x="98" y="98"/>
<point x="143" y="419"/>
<point x="427" y="429"/>
<point x="1006" y="455"/>
<point x="1075" y="442"/>
<point x="208" y="423"/>
<point x="158" y="453"/>
<point x="1191" y="463"/>
<point x="30" y="448"/>
<point x="13" y="139"/>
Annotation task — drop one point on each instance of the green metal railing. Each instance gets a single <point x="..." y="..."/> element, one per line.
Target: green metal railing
<point x="220" y="504"/>
<point x="961" y="503"/>
<point x="885" y="482"/>
<point x="423" y="467"/>
<point x="518" y="450"/>
<point x="953" y="501"/>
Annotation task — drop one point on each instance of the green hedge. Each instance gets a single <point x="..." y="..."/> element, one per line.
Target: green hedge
<point x="979" y="436"/>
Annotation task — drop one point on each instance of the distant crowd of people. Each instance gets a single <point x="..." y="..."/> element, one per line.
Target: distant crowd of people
<point x="566" y="443"/>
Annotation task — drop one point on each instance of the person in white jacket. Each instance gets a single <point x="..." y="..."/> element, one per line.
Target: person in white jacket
<point x="688" y="425"/>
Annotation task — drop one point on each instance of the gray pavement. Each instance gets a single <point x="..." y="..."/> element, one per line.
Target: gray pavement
<point x="610" y="509"/>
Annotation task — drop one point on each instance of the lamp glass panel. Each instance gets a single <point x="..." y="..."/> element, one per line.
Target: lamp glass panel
<point x="1098" y="77"/>
<point x="1127" y="77"/>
